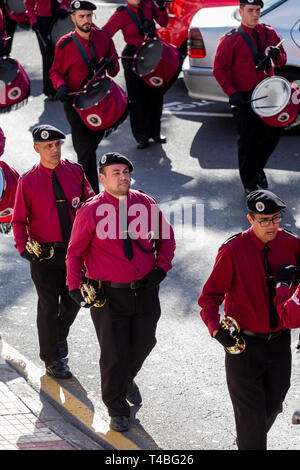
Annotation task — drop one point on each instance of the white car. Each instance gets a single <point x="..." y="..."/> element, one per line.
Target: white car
<point x="210" y="24"/>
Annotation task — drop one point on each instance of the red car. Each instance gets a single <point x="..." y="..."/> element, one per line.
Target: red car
<point x="181" y="13"/>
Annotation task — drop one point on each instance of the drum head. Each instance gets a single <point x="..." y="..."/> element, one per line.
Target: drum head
<point x="15" y="6"/>
<point x="94" y="94"/>
<point x="8" y="70"/>
<point x="61" y="27"/>
<point x="271" y="96"/>
<point x="152" y="52"/>
<point x="2" y="183"/>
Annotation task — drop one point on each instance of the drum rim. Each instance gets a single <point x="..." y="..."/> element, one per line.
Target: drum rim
<point x="137" y="54"/>
<point x="4" y="183"/>
<point x="279" y="109"/>
<point x="77" y="96"/>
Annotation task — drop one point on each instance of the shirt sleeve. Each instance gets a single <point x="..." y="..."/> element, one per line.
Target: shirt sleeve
<point x="215" y="288"/>
<point x="29" y="5"/>
<point x="166" y="244"/>
<point x="161" y="17"/>
<point x="58" y="69"/>
<point x="114" y="23"/>
<point x="223" y="63"/>
<point x="288" y="306"/>
<point x="20" y="218"/>
<point x="81" y="236"/>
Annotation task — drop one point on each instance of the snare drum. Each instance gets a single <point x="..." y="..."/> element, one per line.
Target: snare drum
<point x="276" y="101"/>
<point x="8" y="186"/>
<point x="14" y="85"/>
<point x="59" y="28"/>
<point x="159" y="63"/>
<point x="16" y="10"/>
<point x="102" y="106"/>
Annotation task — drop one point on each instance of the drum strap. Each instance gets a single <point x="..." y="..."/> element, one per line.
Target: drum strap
<point x="90" y="63"/>
<point x="146" y="27"/>
<point x="257" y="52"/>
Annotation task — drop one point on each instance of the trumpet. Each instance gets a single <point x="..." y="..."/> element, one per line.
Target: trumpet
<point x="232" y="325"/>
<point x="89" y="294"/>
<point x="34" y="248"/>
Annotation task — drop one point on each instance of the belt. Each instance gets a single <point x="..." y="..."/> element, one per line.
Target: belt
<point x="265" y="336"/>
<point x="119" y="285"/>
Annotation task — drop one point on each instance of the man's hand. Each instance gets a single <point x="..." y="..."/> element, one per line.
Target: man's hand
<point x="274" y="53"/>
<point x="32" y="258"/>
<point x="236" y="99"/>
<point x="76" y="295"/>
<point x="285" y="274"/>
<point x="62" y="93"/>
<point x="224" y="338"/>
<point x="154" y="278"/>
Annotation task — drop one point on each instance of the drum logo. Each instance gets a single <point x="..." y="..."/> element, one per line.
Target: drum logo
<point x="283" y="117"/>
<point x="156" y="81"/>
<point x="14" y="93"/>
<point x="94" y="120"/>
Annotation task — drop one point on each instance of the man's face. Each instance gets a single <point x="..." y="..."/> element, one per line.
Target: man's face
<point x="134" y="3"/>
<point x="250" y="15"/>
<point x="265" y="227"/>
<point x="116" y="179"/>
<point x="83" y="20"/>
<point x="50" y="153"/>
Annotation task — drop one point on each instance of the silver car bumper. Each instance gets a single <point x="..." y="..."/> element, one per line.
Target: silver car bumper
<point x="201" y="83"/>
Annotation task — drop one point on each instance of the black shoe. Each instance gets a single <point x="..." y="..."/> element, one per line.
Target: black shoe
<point x="262" y="180"/>
<point x="249" y="190"/>
<point x="160" y="139"/>
<point x="58" y="369"/>
<point x="142" y="144"/>
<point x="133" y="394"/>
<point x="119" y="423"/>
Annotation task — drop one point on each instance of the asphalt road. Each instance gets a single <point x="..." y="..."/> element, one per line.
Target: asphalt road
<point x="186" y="404"/>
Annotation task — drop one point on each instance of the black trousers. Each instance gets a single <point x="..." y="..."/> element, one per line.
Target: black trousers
<point x="257" y="141"/>
<point x="145" y="102"/>
<point x="47" y="52"/>
<point x="10" y="27"/>
<point x="258" y="380"/>
<point x="56" y="311"/>
<point x="85" y="142"/>
<point x="125" y="328"/>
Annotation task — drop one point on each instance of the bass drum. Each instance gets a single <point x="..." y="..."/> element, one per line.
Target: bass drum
<point x="16" y="10"/>
<point x="156" y="62"/>
<point x="14" y="85"/>
<point x="102" y="106"/>
<point x="276" y="101"/>
<point x="59" y="28"/>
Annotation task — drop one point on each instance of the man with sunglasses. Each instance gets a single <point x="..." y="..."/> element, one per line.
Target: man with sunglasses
<point x="244" y="276"/>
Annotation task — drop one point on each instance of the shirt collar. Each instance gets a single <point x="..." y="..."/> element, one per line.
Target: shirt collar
<point x="48" y="171"/>
<point x="259" y="244"/>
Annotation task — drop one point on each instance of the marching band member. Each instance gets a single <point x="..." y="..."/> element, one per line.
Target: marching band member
<point x="72" y="67"/>
<point x="46" y="201"/>
<point x="259" y="377"/>
<point x="136" y="21"/>
<point x="41" y="14"/>
<point x="238" y="68"/>
<point x="8" y="186"/>
<point x="287" y="302"/>
<point x="129" y="269"/>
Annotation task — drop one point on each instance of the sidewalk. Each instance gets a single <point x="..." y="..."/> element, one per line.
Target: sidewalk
<point x="29" y="422"/>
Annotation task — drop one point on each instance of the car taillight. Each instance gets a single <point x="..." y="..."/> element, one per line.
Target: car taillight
<point x="196" y="48"/>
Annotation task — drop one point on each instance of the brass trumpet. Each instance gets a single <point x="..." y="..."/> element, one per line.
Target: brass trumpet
<point x="89" y="294"/>
<point x="232" y="325"/>
<point x="34" y="248"/>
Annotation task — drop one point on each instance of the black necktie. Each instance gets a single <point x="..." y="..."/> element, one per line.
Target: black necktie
<point x="273" y="316"/>
<point x="258" y="43"/>
<point x="127" y="243"/>
<point x="62" y="209"/>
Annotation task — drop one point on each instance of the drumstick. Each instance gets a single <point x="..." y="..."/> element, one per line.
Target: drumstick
<point x="260" y="98"/>
<point x="129" y="57"/>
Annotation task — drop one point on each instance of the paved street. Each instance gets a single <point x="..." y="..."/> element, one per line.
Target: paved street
<point x="185" y="398"/>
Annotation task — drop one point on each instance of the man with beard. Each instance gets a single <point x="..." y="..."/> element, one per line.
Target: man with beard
<point x="78" y="57"/>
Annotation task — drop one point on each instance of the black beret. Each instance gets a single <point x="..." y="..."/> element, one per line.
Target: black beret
<point x="252" y="2"/>
<point x="82" y="5"/>
<point x="263" y="201"/>
<point x="114" y="158"/>
<point x="46" y="133"/>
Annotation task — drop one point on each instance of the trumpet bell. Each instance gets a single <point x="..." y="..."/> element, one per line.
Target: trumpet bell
<point x="232" y="325"/>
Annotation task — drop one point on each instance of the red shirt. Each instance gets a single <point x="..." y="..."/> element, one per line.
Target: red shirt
<point x="35" y="212"/>
<point x="288" y="306"/>
<point x="234" y="66"/>
<point x="95" y="241"/>
<point x="7" y="200"/>
<point x="121" y="19"/>
<point x="238" y="277"/>
<point x="69" y="68"/>
<point x="36" y="8"/>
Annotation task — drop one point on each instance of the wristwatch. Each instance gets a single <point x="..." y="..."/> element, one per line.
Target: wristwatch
<point x="282" y="283"/>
